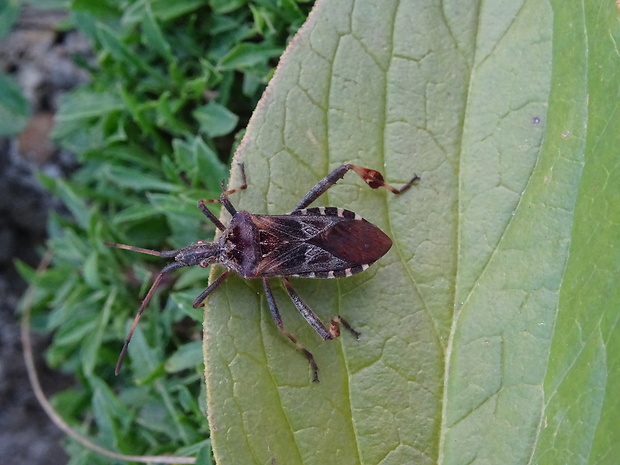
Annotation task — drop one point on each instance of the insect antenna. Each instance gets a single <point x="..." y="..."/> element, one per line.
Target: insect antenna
<point x="147" y="298"/>
<point x="157" y="253"/>
<point x="149" y="294"/>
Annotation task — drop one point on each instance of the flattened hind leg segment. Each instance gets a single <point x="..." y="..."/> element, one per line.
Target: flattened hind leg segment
<point x="371" y="177"/>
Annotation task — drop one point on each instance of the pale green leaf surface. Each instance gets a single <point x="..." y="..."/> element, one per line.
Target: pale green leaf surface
<point x="481" y="339"/>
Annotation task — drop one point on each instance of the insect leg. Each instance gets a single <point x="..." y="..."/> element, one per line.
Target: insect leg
<point x="371" y="177"/>
<point x="244" y="182"/>
<point x="307" y="312"/>
<point x="222" y="200"/>
<point x="209" y="214"/>
<point x="275" y="314"/>
<point x="224" y="197"/>
<point x="334" y="327"/>
<point x="207" y="292"/>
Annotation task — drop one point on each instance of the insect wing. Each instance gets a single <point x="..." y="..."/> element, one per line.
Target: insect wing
<point x="320" y="242"/>
<point x="355" y="241"/>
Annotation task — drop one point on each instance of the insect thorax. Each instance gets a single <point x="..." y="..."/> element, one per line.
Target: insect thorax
<point x="240" y="250"/>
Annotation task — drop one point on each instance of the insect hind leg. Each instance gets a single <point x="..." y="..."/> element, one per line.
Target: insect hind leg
<point x="371" y="177"/>
<point x="313" y="320"/>
<point x="311" y="317"/>
<point x="334" y="327"/>
<point x="275" y="314"/>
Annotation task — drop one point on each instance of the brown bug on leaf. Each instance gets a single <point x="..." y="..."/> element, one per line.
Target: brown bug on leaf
<point x="321" y="242"/>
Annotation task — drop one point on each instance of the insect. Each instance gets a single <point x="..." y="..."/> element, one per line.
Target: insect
<point x="321" y="242"/>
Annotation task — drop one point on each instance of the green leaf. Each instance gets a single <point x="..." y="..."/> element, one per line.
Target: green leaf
<point x="163" y="9"/>
<point x="137" y="180"/>
<point x="80" y="107"/>
<point x="93" y="344"/>
<point x="489" y="331"/>
<point x="215" y="119"/>
<point x="108" y="410"/>
<point x="226" y="6"/>
<point x="71" y="199"/>
<point x="199" y="162"/>
<point x="14" y="108"/>
<point x="582" y="401"/>
<point x="187" y="356"/>
<point x="9" y="11"/>
<point x="101" y="9"/>
<point x="153" y="35"/>
<point x="246" y="55"/>
<point x="118" y="50"/>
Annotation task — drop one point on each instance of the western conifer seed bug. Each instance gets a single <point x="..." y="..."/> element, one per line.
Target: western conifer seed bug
<point x="320" y="242"/>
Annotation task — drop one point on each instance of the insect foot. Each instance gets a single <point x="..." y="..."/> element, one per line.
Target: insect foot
<point x="318" y="242"/>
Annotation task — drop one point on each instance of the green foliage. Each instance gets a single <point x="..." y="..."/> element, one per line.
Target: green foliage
<point x="14" y="108"/>
<point x="9" y="10"/>
<point x="153" y="132"/>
